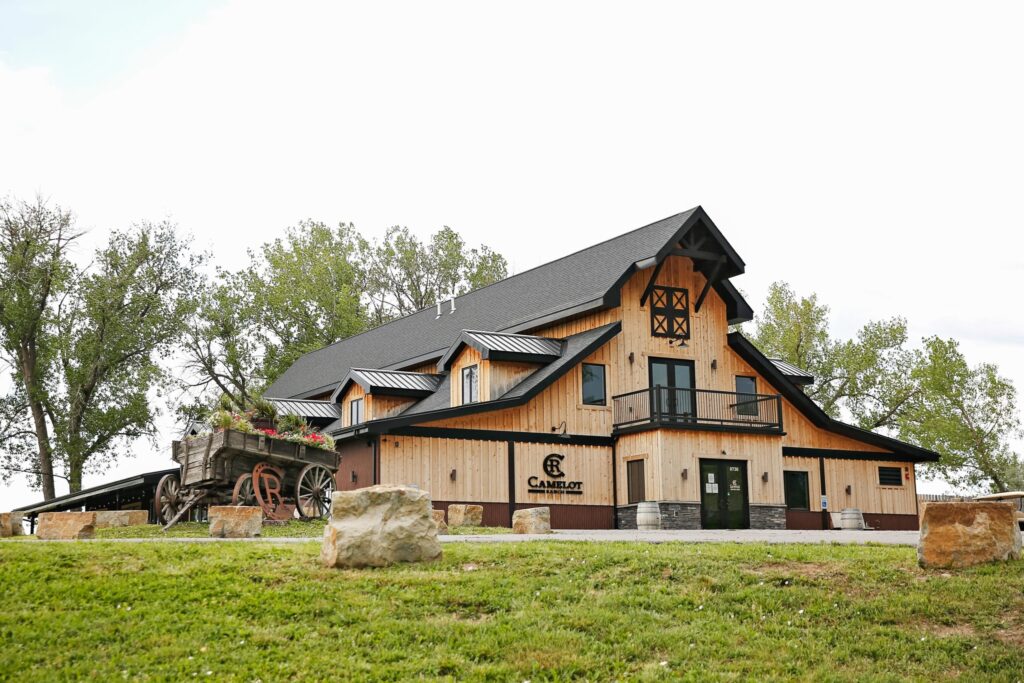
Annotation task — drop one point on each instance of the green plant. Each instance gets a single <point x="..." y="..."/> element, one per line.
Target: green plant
<point x="262" y="409"/>
<point x="292" y="423"/>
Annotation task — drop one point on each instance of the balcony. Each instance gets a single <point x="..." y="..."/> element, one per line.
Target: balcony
<point x="698" y="409"/>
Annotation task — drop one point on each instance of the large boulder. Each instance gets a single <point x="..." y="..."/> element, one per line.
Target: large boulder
<point x="442" y="527"/>
<point x="109" y="519"/>
<point x="235" y="521"/>
<point x="965" y="534"/>
<point x="378" y="526"/>
<point x="465" y="515"/>
<point x="532" y="521"/>
<point x="10" y="524"/>
<point x="66" y="526"/>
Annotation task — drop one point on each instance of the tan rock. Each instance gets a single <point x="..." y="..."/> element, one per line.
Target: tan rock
<point x="378" y="526"/>
<point x="235" y="521"/>
<point x="965" y="534"/>
<point x="10" y="524"/>
<point x="532" y="521"/>
<point x="465" y="515"/>
<point x="438" y="515"/>
<point x="62" y="526"/>
<point x="109" y="519"/>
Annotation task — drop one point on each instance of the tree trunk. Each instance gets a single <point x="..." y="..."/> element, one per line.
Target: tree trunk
<point x="75" y="467"/>
<point x="45" y="457"/>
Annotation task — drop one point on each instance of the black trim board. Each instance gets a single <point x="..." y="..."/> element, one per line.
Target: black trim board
<point x="402" y="420"/>
<point x="668" y="424"/>
<point x="753" y="356"/>
<point x="495" y="435"/>
<point x="838" y="454"/>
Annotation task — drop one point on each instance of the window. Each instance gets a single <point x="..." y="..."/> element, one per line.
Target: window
<point x="890" y="476"/>
<point x="635" y="485"/>
<point x="746" y="399"/>
<point x="670" y="312"/>
<point x="798" y="496"/>
<point x="470" y="384"/>
<point x="593" y="385"/>
<point x="355" y="412"/>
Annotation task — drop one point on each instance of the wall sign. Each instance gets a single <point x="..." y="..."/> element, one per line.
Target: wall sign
<point x="556" y="483"/>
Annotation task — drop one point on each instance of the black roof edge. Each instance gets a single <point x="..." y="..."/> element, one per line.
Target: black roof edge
<point x="381" y="426"/>
<point x="752" y="355"/>
<point x="99" y="488"/>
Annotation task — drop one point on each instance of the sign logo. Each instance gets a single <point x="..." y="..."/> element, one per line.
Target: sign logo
<point x="553" y="466"/>
<point x="556" y="483"/>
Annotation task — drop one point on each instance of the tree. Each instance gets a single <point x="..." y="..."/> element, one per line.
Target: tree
<point x="927" y="395"/>
<point x="222" y="351"/>
<point x="117" y="323"/>
<point x="868" y="376"/>
<point x="404" y="275"/>
<point x="969" y="415"/>
<point x="305" y="292"/>
<point x="34" y="272"/>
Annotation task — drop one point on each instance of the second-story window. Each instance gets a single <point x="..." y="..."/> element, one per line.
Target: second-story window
<point x="470" y="384"/>
<point x="593" y="385"/>
<point x="355" y="412"/>
<point x="746" y="395"/>
<point x="670" y="312"/>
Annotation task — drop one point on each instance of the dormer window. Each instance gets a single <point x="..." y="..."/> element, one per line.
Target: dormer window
<point x="670" y="312"/>
<point x="355" y="412"/>
<point x="470" y="384"/>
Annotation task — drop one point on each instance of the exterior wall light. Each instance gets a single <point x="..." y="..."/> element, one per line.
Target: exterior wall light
<point x="354" y="477"/>
<point x="714" y="364"/>
<point x="452" y="475"/>
<point x="764" y="477"/>
<point x="685" y="473"/>
<point x="849" y="489"/>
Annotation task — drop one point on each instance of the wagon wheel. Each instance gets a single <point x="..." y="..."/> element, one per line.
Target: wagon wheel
<point x="244" y="493"/>
<point x="313" y="492"/>
<point x="168" y="499"/>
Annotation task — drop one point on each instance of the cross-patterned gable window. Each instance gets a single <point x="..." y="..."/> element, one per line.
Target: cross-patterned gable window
<point x="670" y="312"/>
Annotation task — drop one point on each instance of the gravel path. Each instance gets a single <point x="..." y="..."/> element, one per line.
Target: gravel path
<point x="908" y="538"/>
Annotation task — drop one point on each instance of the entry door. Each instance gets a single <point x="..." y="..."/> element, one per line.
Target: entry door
<point x="676" y="379"/>
<point x="723" y="494"/>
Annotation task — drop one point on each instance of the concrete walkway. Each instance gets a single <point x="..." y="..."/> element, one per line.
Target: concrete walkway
<point x="697" y="536"/>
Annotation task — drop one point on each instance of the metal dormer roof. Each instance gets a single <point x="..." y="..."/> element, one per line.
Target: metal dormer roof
<point x="504" y="346"/>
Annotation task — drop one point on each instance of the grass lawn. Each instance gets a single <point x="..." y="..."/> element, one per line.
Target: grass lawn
<point x="532" y="611"/>
<point x="293" y="528"/>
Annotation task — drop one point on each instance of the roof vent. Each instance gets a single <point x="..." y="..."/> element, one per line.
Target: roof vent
<point x="453" y="306"/>
<point x="438" y="310"/>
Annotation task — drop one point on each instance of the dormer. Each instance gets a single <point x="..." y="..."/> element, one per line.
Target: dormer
<point x="366" y="394"/>
<point x="485" y="365"/>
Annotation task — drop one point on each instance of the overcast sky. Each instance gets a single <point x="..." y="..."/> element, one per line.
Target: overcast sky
<point x="869" y="152"/>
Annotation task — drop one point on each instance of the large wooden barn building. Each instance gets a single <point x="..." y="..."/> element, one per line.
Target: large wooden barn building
<point x="597" y="381"/>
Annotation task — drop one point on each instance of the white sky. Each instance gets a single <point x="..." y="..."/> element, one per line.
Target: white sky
<point x="869" y="152"/>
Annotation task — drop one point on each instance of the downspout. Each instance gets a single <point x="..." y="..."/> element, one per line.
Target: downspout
<point x="615" y="488"/>
<point x="824" y="492"/>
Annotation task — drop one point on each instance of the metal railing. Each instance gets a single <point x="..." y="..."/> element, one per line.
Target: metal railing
<point x="698" y="407"/>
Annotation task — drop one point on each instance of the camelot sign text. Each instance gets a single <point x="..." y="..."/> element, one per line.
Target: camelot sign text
<point x="557" y="482"/>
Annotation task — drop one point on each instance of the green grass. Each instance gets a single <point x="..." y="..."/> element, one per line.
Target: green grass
<point x="530" y="611"/>
<point x="293" y="528"/>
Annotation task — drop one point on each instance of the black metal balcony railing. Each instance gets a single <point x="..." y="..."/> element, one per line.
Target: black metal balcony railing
<point x="698" y="407"/>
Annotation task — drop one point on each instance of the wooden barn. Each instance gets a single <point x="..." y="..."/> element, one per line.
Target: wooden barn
<point x="595" y="382"/>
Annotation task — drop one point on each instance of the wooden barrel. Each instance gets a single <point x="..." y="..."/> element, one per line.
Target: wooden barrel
<point x="851" y="518"/>
<point x="648" y="516"/>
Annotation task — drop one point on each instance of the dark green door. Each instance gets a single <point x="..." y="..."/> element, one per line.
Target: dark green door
<point x="675" y="381"/>
<point x="723" y="494"/>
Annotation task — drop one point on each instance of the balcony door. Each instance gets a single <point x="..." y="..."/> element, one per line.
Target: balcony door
<point x="676" y="379"/>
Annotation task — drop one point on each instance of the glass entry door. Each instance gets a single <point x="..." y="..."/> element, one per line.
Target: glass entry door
<point x="723" y="494"/>
<point x="674" y="382"/>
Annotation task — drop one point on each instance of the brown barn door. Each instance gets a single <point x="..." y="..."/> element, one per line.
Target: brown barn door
<point x="635" y="483"/>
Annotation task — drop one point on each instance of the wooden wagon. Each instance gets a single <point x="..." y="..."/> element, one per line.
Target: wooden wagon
<point x="285" y="479"/>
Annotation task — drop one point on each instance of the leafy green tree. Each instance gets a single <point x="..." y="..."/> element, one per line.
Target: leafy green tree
<point x="928" y="395"/>
<point x="405" y="275"/>
<point x="115" y="326"/>
<point x="305" y="291"/>
<point x="969" y="415"/>
<point x="34" y="272"/>
<point x="222" y="350"/>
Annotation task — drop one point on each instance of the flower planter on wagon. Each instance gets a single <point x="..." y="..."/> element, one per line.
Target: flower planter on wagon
<point x="231" y="467"/>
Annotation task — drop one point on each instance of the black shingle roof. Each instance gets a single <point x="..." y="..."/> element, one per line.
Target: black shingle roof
<point x="438" y="405"/>
<point x="586" y="280"/>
